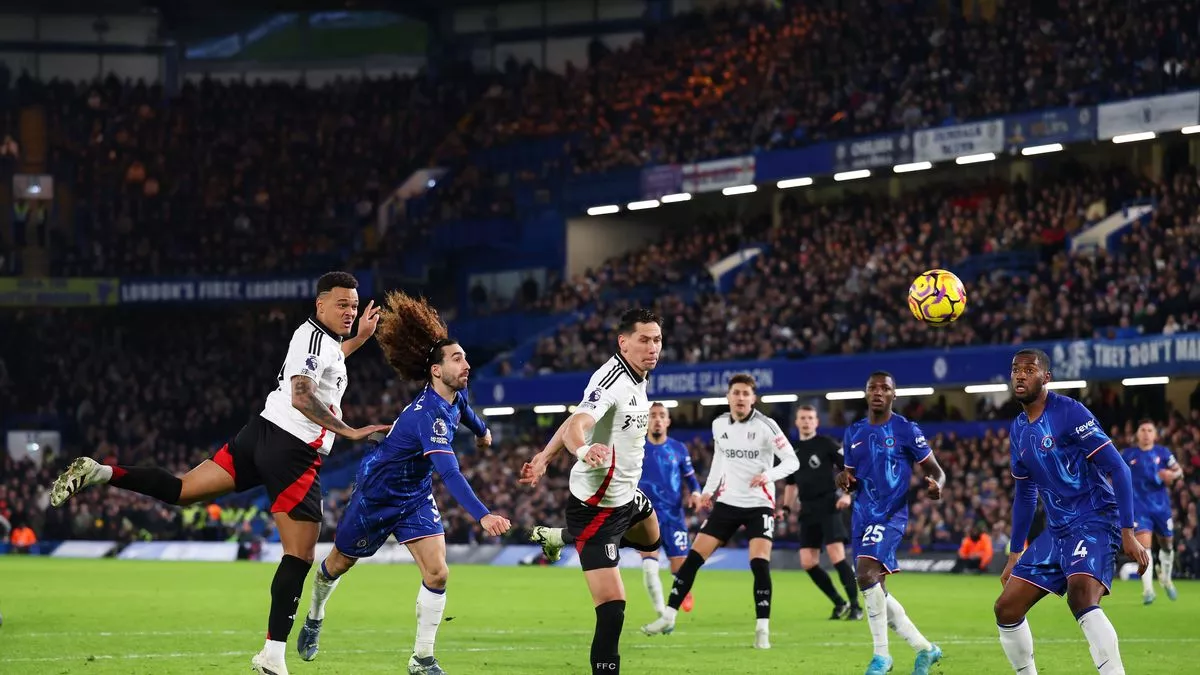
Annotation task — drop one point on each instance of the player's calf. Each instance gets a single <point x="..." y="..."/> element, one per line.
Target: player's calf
<point x="610" y="619"/>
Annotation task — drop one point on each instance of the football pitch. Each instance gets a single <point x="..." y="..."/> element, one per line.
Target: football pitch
<point x="110" y="616"/>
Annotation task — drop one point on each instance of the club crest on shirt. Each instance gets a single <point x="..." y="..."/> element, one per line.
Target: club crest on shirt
<point x="889" y="441"/>
<point x="1047" y="442"/>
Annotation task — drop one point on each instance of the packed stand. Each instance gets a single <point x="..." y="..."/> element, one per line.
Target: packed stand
<point x="756" y="75"/>
<point x="835" y="277"/>
<point x="234" y="177"/>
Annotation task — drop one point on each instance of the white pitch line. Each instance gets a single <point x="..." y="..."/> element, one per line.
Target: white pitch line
<point x="665" y="644"/>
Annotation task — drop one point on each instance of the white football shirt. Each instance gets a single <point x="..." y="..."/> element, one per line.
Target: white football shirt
<point x="616" y="398"/>
<point x="315" y="352"/>
<point x="741" y="451"/>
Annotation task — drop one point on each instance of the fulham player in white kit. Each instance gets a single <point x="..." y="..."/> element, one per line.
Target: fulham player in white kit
<point x="742" y="481"/>
<point x="607" y="435"/>
<point x="280" y="448"/>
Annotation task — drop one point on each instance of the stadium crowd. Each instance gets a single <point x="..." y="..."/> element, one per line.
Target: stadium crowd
<point x="832" y="277"/>
<point x="751" y="76"/>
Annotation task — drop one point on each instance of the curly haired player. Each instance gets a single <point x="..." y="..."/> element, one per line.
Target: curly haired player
<point x="393" y="492"/>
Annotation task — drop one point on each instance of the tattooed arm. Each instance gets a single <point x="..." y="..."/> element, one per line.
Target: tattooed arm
<point x="304" y="399"/>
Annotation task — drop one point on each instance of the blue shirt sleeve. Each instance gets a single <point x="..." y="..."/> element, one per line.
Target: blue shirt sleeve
<point x="1024" y="505"/>
<point x="918" y="448"/>
<point x="469" y="418"/>
<point x="435" y="434"/>
<point x="1109" y="460"/>
<point x="1017" y="469"/>
<point x="689" y="471"/>
<point x="848" y="447"/>
<point x="446" y="464"/>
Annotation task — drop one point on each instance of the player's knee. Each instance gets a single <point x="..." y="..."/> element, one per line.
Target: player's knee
<point x="1007" y="613"/>
<point x="1082" y="595"/>
<point x="436" y="577"/>
<point x="808" y="559"/>
<point x="866" y="578"/>
<point x="761" y="568"/>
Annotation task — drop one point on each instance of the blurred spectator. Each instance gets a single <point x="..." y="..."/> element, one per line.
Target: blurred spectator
<point x="975" y="552"/>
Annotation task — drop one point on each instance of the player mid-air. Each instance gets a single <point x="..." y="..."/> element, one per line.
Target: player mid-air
<point x="822" y="508"/>
<point x="393" y="493"/>
<point x="667" y="467"/>
<point x="742" y="481"/>
<point x="1059" y="450"/>
<point x="880" y="452"/>
<point x="281" y="449"/>
<point x="605" y="510"/>
<point x="1152" y="468"/>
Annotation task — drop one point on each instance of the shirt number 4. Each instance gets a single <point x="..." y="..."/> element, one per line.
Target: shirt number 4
<point x="1080" y="550"/>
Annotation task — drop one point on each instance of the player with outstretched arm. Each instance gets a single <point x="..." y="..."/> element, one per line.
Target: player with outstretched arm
<point x="880" y="452"/>
<point x="1059" y="450"/>
<point x="605" y="510"/>
<point x="742" y="482"/>
<point x="393" y="492"/>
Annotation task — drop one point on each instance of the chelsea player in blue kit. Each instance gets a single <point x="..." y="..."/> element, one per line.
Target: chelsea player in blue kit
<point x="393" y="493"/>
<point x="1060" y="451"/>
<point x="667" y="467"/>
<point x="879" y="455"/>
<point x="1152" y="467"/>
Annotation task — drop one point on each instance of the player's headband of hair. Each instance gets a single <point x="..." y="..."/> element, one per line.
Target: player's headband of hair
<point x="433" y="357"/>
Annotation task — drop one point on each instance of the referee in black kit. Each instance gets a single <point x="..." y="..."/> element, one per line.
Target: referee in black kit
<point x="822" y="512"/>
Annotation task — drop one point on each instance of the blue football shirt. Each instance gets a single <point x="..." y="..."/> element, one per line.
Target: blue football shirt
<point x="882" y="457"/>
<point x="664" y="470"/>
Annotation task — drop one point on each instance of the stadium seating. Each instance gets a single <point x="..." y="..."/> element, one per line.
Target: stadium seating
<point x="833" y="276"/>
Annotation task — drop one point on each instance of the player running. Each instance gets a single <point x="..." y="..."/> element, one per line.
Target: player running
<point x="1059" y="449"/>
<point x="742" y="481"/>
<point x="880" y="453"/>
<point x="393" y="492"/>
<point x="822" y="506"/>
<point x="605" y="509"/>
<point x="1152" y="468"/>
<point x="281" y="449"/>
<point x="668" y="466"/>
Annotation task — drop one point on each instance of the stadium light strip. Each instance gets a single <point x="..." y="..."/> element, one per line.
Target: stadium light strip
<point x="1193" y="129"/>
<point x="780" y="398"/>
<point x="645" y="204"/>
<point x="794" y="183"/>
<point x="1143" y="381"/>
<point x="718" y="400"/>
<point x="677" y="197"/>
<point x="1042" y="149"/>
<point x="915" y="391"/>
<point x="603" y="210"/>
<point x="1133" y="138"/>
<point x="549" y="409"/>
<point x="499" y="412"/>
<point x="912" y="166"/>
<point x="976" y="159"/>
<point x="985" y="388"/>
<point x="739" y="190"/>
<point x="852" y="175"/>
<point x="845" y="395"/>
<point x="668" y="403"/>
<point x="1067" y="384"/>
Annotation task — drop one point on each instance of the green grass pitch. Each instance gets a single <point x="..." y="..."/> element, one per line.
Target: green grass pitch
<point x="108" y="616"/>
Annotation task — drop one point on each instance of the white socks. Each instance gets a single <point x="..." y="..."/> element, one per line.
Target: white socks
<point x="877" y="617"/>
<point x="275" y="650"/>
<point x="762" y="625"/>
<point x="1017" y="642"/>
<point x="321" y="589"/>
<point x="430" y="606"/>
<point x="653" y="582"/>
<point x="898" y="619"/>
<point x="1102" y="641"/>
<point x="1166" y="560"/>
<point x="1148" y="580"/>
